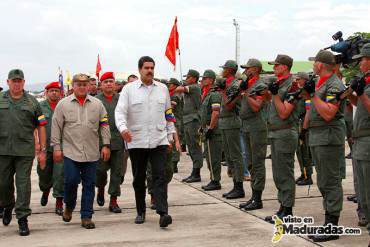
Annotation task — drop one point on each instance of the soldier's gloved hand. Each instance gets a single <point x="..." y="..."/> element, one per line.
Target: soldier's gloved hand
<point x="243" y="85"/>
<point x="338" y="96"/>
<point x="353" y="83"/>
<point x="208" y="133"/>
<point x="309" y="86"/>
<point x="274" y="88"/>
<point x="360" y="89"/>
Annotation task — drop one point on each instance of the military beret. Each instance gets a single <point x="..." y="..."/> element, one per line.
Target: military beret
<point x="15" y="74"/>
<point x="365" y="52"/>
<point x="252" y="63"/>
<point x="282" y="59"/>
<point x="54" y="84"/>
<point x="230" y="64"/>
<point x="326" y="57"/>
<point x="209" y="74"/>
<point x="80" y="77"/>
<point x="107" y="75"/>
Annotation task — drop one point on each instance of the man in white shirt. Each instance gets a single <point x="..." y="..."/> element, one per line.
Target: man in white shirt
<point x="145" y="120"/>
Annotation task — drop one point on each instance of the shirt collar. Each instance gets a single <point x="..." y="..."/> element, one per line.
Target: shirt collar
<point x="141" y="84"/>
<point x="73" y="97"/>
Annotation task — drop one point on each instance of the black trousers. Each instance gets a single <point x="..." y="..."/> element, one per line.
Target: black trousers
<point x="139" y="160"/>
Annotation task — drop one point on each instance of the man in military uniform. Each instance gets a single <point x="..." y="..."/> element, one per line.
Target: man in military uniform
<point x="210" y="110"/>
<point x="326" y="137"/>
<point x="177" y="107"/>
<point x="283" y="134"/>
<point x="191" y="120"/>
<point x="109" y="98"/>
<point x="93" y="89"/>
<point x="303" y="151"/>
<point x="361" y="131"/>
<point x="254" y="131"/>
<point x="52" y="175"/>
<point x="229" y="123"/>
<point x="20" y="115"/>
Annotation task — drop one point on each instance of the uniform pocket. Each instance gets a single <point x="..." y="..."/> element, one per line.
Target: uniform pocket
<point x="136" y="105"/>
<point x="160" y="105"/>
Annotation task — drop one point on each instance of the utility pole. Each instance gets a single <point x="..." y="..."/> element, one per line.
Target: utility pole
<point x="237" y="41"/>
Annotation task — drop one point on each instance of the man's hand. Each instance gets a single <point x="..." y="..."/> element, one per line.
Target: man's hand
<point x="170" y="147"/>
<point x="274" y="88"/>
<point x="58" y="156"/>
<point x="41" y="158"/>
<point x="178" y="146"/>
<point x="309" y="86"/>
<point x="126" y="135"/>
<point x="105" y="153"/>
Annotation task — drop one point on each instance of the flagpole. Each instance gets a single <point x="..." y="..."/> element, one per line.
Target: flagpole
<point x="180" y="65"/>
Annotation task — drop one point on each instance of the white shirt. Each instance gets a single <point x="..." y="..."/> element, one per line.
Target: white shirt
<point x="141" y="109"/>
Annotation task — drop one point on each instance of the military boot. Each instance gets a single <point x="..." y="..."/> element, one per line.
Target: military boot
<point x="244" y="204"/>
<point x="256" y="202"/>
<point x="305" y="181"/>
<point x="238" y="192"/>
<point x="330" y="219"/>
<point x="194" y="176"/>
<point x="1" y="212"/>
<point x="300" y="178"/>
<point x="278" y="213"/>
<point x="67" y="215"/>
<point x="100" y="197"/>
<point x="44" y="198"/>
<point x="87" y="223"/>
<point x="59" y="206"/>
<point x="113" y="205"/>
<point x="213" y="185"/>
<point x="165" y="220"/>
<point x="7" y="216"/>
<point x="175" y="169"/>
<point x="23" y="227"/>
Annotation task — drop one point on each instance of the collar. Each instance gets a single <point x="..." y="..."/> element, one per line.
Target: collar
<point x="142" y="84"/>
<point x="73" y="97"/>
<point x="322" y="80"/>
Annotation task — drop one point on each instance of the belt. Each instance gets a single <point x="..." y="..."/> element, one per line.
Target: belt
<point x="279" y="127"/>
<point x="360" y="133"/>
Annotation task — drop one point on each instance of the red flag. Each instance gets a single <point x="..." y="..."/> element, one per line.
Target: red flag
<point x="98" y="67"/>
<point x="173" y="44"/>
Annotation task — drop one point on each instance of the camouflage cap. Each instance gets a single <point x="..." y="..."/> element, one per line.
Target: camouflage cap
<point x="282" y="59"/>
<point x="15" y="74"/>
<point x="326" y="57"/>
<point x="252" y="63"/>
<point x="192" y="73"/>
<point x="231" y="64"/>
<point x="365" y="52"/>
<point x="174" y="81"/>
<point x="80" y="77"/>
<point x="302" y="75"/>
<point x="209" y="74"/>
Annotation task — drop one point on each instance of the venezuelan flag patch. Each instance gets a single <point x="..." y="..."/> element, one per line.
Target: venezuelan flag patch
<point x="307" y="104"/>
<point x="329" y="98"/>
<point x="169" y="116"/>
<point x="216" y="106"/>
<point x="42" y="120"/>
<point x="104" y="121"/>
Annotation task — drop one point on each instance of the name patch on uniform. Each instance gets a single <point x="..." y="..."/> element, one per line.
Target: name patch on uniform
<point x="169" y="116"/>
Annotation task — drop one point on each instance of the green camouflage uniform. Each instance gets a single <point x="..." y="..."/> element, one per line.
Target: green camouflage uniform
<point x="177" y="111"/>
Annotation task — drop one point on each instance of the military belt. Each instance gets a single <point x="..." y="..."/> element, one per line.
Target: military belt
<point x="279" y="127"/>
<point x="360" y="133"/>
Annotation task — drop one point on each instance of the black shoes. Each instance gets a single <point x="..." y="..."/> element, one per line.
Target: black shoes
<point x="213" y="185"/>
<point x="254" y="203"/>
<point x="100" y="197"/>
<point x="329" y="219"/>
<point x="44" y="198"/>
<point x="194" y="176"/>
<point x="165" y="220"/>
<point x="175" y="169"/>
<point x="59" y="206"/>
<point x="236" y="192"/>
<point x="1" y="212"/>
<point x="140" y="218"/>
<point x="304" y="182"/>
<point x="7" y="216"/>
<point x="281" y="213"/>
<point x="113" y="205"/>
<point x="23" y="227"/>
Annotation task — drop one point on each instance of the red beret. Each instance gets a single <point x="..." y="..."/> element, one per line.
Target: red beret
<point x="55" y="84"/>
<point x="107" y="75"/>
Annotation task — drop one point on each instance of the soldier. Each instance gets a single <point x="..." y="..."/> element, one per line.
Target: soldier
<point x="20" y="115"/>
<point x="229" y="123"/>
<point x="119" y="85"/>
<point x="210" y="110"/>
<point x="361" y="131"/>
<point x="303" y="151"/>
<point x="78" y="122"/>
<point x="110" y="99"/>
<point x="254" y="131"/>
<point x="52" y="175"/>
<point x="326" y="137"/>
<point x="93" y="89"/>
<point x="283" y="134"/>
<point x="177" y="104"/>
<point x="191" y="120"/>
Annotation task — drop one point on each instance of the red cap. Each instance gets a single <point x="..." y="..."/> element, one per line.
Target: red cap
<point x="107" y="75"/>
<point x="55" y="84"/>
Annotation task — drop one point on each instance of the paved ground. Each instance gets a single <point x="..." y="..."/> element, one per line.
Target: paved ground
<point x="200" y="219"/>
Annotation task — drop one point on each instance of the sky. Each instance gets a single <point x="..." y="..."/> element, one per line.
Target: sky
<point x="39" y="36"/>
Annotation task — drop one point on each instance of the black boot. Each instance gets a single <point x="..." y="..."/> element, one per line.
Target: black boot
<point x="278" y="213"/>
<point x="303" y="182"/>
<point x="300" y="178"/>
<point x="244" y="204"/>
<point x="287" y="211"/>
<point x="175" y="169"/>
<point x="194" y="176"/>
<point x="140" y="218"/>
<point x="100" y="197"/>
<point x="113" y="205"/>
<point x="256" y="202"/>
<point x="1" y="212"/>
<point x="23" y="227"/>
<point x="44" y="198"/>
<point x="213" y="185"/>
<point x="238" y="192"/>
<point x="329" y="219"/>
<point x="7" y="216"/>
<point x="165" y="220"/>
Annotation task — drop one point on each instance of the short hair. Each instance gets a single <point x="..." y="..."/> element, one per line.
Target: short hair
<point x="144" y="59"/>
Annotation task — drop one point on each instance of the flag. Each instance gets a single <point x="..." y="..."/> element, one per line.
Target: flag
<point x="173" y="44"/>
<point x="98" y="67"/>
<point x="68" y="78"/>
<point x="60" y="79"/>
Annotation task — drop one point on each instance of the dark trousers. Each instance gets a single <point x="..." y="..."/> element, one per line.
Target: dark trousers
<point x="139" y="160"/>
<point x="74" y="173"/>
